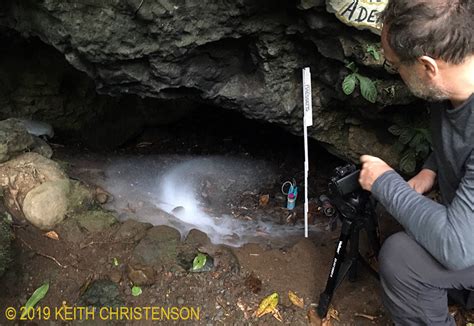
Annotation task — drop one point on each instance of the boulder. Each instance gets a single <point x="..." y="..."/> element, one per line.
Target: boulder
<point x="46" y="205"/>
<point x="158" y="248"/>
<point x="19" y="176"/>
<point x="14" y="139"/>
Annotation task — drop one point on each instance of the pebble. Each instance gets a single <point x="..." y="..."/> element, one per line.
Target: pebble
<point x="180" y="301"/>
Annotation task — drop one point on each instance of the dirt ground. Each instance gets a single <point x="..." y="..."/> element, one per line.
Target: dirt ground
<point x="82" y="262"/>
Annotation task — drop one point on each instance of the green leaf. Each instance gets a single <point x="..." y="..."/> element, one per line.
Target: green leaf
<point x="35" y="298"/>
<point x="371" y="49"/>
<point x="398" y="147"/>
<point x="199" y="261"/>
<point x="349" y="84"/>
<point x="406" y="135"/>
<point x="427" y="135"/>
<point x="408" y="162"/>
<point x="352" y="67"/>
<point x="367" y="88"/>
<point x="136" y="290"/>
<point x="416" y="141"/>
<point x="395" y="130"/>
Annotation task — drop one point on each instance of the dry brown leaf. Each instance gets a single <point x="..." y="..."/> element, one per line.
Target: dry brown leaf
<point x="52" y="235"/>
<point x="296" y="300"/>
<point x="333" y="313"/>
<point x="315" y="320"/>
<point x="244" y="307"/>
<point x="263" y="201"/>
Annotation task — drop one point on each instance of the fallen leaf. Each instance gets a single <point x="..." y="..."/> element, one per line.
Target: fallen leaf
<point x="263" y="201"/>
<point x="333" y="313"/>
<point x="136" y="290"/>
<point x="52" y="235"/>
<point x="199" y="261"/>
<point x="315" y="320"/>
<point x="296" y="300"/>
<point x="244" y="307"/>
<point x="267" y="305"/>
<point x="35" y="298"/>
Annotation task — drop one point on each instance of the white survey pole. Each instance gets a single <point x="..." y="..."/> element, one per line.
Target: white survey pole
<point x="307" y="121"/>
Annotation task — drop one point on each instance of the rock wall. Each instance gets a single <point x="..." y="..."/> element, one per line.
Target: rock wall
<point x="243" y="55"/>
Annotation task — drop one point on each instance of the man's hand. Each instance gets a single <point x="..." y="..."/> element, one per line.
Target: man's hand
<point x="372" y="168"/>
<point x="423" y="181"/>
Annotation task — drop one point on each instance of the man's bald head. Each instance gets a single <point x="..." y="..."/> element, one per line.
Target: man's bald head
<point x="441" y="29"/>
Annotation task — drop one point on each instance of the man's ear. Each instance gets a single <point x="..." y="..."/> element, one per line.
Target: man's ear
<point x="430" y="66"/>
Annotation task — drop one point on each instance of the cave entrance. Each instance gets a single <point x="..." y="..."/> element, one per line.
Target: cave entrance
<point x="177" y="161"/>
<point x="210" y="169"/>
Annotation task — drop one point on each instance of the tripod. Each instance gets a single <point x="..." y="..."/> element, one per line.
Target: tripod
<point x="356" y="213"/>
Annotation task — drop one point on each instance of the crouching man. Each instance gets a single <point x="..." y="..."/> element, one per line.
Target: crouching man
<point x="430" y="44"/>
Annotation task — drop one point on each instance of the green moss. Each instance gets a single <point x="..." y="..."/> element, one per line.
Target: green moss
<point x="95" y="220"/>
<point x="5" y="241"/>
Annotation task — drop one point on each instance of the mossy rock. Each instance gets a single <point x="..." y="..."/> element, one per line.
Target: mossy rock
<point x="6" y="237"/>
<point x="95" y="220"/>
<point x="81" y="198"/>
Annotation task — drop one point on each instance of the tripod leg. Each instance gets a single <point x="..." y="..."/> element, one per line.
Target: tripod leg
<point x="334" y="279"/>
<point x="371" y="227"/>
<point x="354" y="253"/>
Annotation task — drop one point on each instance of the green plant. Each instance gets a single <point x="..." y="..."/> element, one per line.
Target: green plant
<point x="199" y="261"/>
<point x="373" y="50"/>
<point x="136" y="290"/>
<point x="35" y="298"/>
<point x="367" y="86"/>
<point x="414" y="143"/>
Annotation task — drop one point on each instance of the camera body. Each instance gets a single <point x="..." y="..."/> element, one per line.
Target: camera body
<point x="345" y="181"/>
<point x="346" y="193"/>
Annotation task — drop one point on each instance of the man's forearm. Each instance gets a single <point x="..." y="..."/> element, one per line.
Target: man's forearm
<point x="431" y="223"/>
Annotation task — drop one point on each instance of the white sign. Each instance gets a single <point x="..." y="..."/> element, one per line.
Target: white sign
<point x="362" y="14"/>
<point x="307" y="102"/>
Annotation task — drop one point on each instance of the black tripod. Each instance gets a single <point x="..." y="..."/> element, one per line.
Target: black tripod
<point x="356" y="213"/>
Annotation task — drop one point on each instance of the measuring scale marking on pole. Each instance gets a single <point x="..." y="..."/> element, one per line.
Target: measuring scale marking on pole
<point x="307" y="121"/>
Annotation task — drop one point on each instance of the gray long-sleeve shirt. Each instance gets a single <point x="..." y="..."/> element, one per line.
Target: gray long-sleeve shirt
<point x="445" y="230"/>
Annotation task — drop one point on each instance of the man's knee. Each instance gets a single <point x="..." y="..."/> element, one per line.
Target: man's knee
<point x="394" y="256"/>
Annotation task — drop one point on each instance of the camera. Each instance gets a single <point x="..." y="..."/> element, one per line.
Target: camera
<point x="347" y="201"/>
<point x="345" y="180"/>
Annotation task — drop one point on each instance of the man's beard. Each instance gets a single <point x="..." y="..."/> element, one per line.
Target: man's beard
<point x="427" y="92"/>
